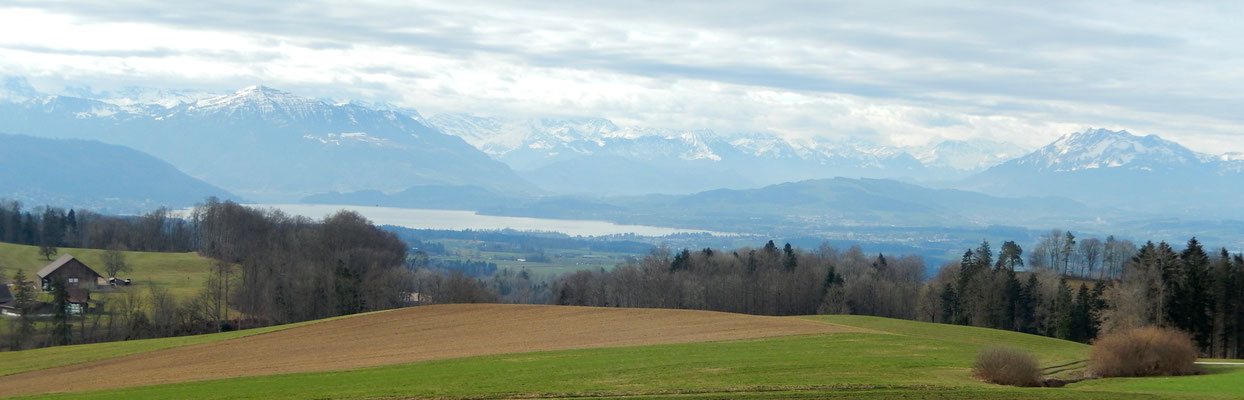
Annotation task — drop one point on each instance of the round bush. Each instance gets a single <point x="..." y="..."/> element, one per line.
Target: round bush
<point x="1148" y="351"/>
<point x="1007" y="366"/>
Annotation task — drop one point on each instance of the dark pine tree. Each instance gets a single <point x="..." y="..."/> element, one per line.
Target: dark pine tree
<point x="950" y="304"/>
<point x="1194" y="309"/>
<point x="789" y="259"/>
<point x="1030" y="299"/>
<point x="1012" y="300"/>
<point x="61" y="328"/>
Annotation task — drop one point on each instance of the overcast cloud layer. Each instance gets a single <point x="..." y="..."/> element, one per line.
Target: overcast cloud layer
<point x="902" y="73"/>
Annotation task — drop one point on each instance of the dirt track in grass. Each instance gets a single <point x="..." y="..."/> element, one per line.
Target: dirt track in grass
<point x="411" y="335"/>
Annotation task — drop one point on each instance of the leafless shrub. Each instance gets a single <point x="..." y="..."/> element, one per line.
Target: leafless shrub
<point x="1147" y="351"/>
<point x="1007" y="366"/>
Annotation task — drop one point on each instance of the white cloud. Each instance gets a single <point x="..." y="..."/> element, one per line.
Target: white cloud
<point x="901" y="73"/>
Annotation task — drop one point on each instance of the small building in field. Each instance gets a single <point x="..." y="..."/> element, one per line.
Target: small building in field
<point x="73" y="272"/>
<point x="7" y="308"/>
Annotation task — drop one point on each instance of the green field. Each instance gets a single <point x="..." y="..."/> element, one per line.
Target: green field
<point x="181" y="273"/>
<point x="909" y="360"/>
<point x="560" y="260"/>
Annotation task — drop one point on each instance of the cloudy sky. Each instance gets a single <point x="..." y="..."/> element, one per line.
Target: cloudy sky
<point x="902" y="73"/>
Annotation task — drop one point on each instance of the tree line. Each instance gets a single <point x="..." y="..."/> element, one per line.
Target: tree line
<point x="1064" y="289"/>
<point x="51" y="227"/>
<point x="767" y="281"/>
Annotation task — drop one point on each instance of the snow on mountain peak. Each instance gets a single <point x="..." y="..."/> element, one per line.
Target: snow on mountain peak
<point x="258" y="99"/>
<point x="1102" y="148"/>
<point x="967" y="155"/>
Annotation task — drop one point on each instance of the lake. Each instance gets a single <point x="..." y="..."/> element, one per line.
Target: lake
<point x="461" y="220"/>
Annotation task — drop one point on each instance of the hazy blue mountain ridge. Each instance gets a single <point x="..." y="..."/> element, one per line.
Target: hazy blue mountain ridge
<point x="84" y="173"/>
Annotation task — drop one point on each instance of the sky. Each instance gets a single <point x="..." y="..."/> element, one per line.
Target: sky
<point x="893" y="73"/>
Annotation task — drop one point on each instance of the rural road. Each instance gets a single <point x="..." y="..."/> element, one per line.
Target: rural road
<point x="1218" y="363"/>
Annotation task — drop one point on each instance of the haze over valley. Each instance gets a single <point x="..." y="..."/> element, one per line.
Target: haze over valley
<point x="261" y="144"/>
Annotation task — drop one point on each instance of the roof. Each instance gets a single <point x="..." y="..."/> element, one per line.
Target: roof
<point x="5" y="295"/>
<point x="60" y="262"/>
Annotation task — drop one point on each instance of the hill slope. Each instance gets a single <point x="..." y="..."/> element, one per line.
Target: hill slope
<point x="410" y="335"/>
<point x="910" y="360"/>
<point x="91" y="174"/>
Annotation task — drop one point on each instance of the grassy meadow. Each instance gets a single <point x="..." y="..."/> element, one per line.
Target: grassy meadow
<point x="560" y="260"/>
<point x="903" y="360"/>
<point x="182" y="274"/>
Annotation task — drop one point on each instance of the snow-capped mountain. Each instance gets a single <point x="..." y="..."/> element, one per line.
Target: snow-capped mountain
<point x="967" y="155"/>
<point x="1100" y="148"/>
<point x="137" y="98"/>
<point x="570" y="155"/>
<point x="1117" y="168"/>
<point x="302" y="145"/>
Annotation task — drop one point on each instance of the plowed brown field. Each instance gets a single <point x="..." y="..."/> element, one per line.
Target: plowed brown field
<point x="410" y="335"/>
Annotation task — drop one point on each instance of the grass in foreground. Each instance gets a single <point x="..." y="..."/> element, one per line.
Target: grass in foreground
<point x="1049" y="351"/>
<point x="1219" y="381"/>
<point x="845" y="364"/>
<point x="916" y="360"/>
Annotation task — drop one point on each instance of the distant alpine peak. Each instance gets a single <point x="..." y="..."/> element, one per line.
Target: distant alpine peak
<point x="1104" y="148"/>
<point x="261" y="92"/>
<point x="258" y="98"/>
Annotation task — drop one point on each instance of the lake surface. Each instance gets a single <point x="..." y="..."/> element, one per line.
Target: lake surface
<point x="460" y="220"/>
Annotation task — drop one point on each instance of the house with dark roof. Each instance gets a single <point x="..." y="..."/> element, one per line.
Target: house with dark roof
<point x="74" y="273"/>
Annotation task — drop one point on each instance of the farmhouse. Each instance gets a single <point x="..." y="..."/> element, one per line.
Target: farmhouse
<point x="73" y="272"/>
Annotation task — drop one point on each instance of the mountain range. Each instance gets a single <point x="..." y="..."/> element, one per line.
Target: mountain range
<point x="1120" y="170"/>
<point x="268" y="145"/>
<point x="565" y="156"/>
<point x="84" y="173"/>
